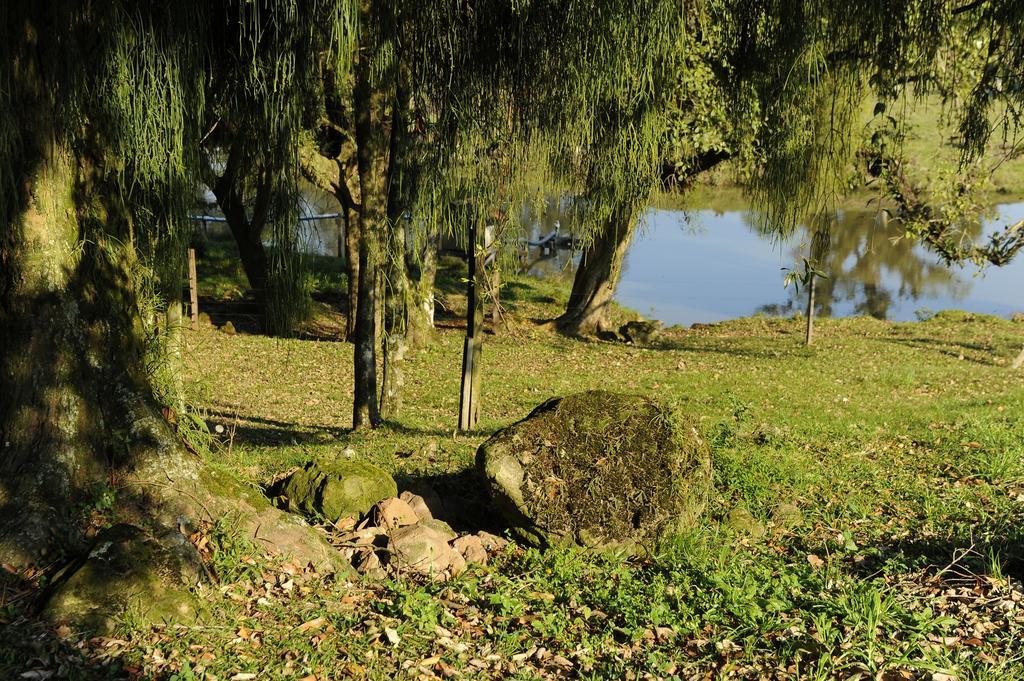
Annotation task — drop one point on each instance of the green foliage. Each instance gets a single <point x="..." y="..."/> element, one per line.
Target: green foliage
<point x="802" y="277"/>
<point x="289" y="286"/>
<point x="234" y="556"/>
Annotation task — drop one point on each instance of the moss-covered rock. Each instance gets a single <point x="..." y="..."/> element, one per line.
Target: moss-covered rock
<point x="336" y="488"/>
<point x="743" y="521"/>
<point x="599" y="469"/>
<point x="129" y="574"/>
<point x="641" y="331"/>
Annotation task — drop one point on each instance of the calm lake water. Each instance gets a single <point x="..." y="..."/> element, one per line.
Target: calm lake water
<point x="706" y="266"/>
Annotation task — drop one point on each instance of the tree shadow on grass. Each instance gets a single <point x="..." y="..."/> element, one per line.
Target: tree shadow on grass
<point x="33" y="649"/>
<point x="672" y="345"/>
<point x="955" y="349"/>
<point x="985" y="551"/>
<point x="256" y="430"/>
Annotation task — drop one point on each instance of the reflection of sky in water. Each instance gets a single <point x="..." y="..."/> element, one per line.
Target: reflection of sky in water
<point x="717" y="267"/>
<point x="705" y="267"/>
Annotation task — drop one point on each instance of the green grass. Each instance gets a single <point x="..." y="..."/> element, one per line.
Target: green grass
<point x="901" y="444"/>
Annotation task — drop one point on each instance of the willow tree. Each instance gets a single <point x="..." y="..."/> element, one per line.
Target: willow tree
<point x="777" y="89"/>
<point x="488" y="86"/>
<point x="101" y="109"/>
<point x="689" y="124"/>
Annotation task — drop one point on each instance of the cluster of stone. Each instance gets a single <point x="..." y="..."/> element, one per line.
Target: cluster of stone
<point x="401" y="535"/>
<point x="378" y="530"/>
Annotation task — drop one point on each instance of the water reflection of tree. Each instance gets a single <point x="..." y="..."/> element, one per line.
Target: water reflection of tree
<point x="867" y="269"/>
<point x="540" y="218"/>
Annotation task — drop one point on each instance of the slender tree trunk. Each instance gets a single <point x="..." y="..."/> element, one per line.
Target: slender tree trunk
<point x="253" y="255"/>
<point x="421" y="266"/>
<point x="352" y="269"/>
<point x="809" y="335"/>
<point x="364" y="411"/>
<point x="371" y="102"/>
<point x="395" y="296"/>
<point x="598" y="275"/>
<point x="396" y="282"/>
<point x="248" y="232"/>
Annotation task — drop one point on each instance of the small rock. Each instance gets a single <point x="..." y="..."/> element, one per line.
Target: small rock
<point x="368" y="563"/>
<point x="418" y="505"/>
<point x="393" y="513"/>
<point x="457" y="565"/>
<point x="787" y="515"/>
<point x="441" y="527"/>
<point x="420" y="548"/>
<point x="1017" y="317"/>
<point x="471" y="547"/>
<point x="640" y="331"/>
<point x="204" y="320"/>
<point x="368" y="536"/>
<point x="742" y="520"/>
<point x="430" y="497"/>
<point x="228" y="328"/>
<point x="335" y="488"/>
<point x="491" y="542"/>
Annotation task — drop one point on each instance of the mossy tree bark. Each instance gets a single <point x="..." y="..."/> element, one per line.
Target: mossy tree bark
<point x="351" y="269"/>
<point x="372" y="127"/>
<point x="421" y="267"/>
<point x="396" y="281"/>
<point x="382" y="105"/>
<point x="77" y="416"/>
<point x="598" y="275"/>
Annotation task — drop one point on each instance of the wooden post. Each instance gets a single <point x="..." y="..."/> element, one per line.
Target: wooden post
<point x="810" y="312"/>
<point x="193" y="288"/>
<point x="469" y="398"/>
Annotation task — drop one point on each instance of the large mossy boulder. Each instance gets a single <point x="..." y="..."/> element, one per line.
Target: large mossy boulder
<point x="599" y="469"/>
<point x="337" y="488"/>
<point x="129" y="574"/>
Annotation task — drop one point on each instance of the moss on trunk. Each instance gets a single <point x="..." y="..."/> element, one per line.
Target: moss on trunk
<point x="78" y="422"/>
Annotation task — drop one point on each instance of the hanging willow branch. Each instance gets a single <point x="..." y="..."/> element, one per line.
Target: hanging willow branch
<point x="943" y="231"/>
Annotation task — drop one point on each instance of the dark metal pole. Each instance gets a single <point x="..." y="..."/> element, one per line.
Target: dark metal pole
<point x="469" y="396"/>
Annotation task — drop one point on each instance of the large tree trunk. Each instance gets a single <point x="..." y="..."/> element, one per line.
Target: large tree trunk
<point x="598" y="275"/>
<point x="77" y="417"/>
<point x="371" y="101"/>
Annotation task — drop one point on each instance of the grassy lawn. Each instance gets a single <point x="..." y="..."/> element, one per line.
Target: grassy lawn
<point x="900" y="445"/>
